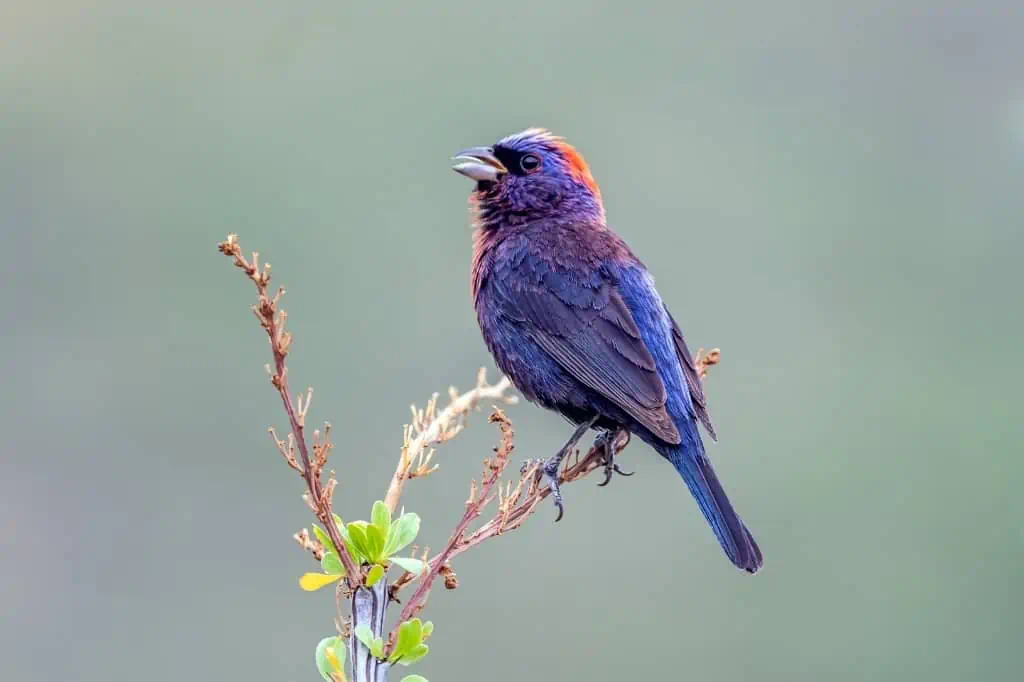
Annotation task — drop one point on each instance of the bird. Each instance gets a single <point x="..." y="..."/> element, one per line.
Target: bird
<point x="573" y="318"/>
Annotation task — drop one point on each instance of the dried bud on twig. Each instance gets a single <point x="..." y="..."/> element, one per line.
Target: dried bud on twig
<point x="272" y="319"/>
<point x="309" y="544"/>
<point x="430" y="427"/>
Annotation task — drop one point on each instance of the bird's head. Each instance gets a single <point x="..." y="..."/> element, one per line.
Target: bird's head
<point x="530" y="176"/>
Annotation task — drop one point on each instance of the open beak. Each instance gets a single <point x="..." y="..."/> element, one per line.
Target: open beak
<point x="478" y="163"/>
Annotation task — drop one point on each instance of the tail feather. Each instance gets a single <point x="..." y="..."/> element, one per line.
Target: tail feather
<point x="736" y="540"/>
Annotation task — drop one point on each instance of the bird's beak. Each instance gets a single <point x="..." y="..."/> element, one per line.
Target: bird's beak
<point x="478" y="163"/>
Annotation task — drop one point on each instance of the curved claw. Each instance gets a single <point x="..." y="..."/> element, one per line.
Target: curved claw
<point x="547" y="470"/>
<point x="613" y="469"/>
<point x="551" y="474"/>
<point x="606" y="441"/>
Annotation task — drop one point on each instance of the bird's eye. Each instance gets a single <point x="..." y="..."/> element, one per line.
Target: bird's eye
<point x="529" y="163"/>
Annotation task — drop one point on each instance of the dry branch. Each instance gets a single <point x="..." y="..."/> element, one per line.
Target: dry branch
<point x="430" y="428"/>
<point x="272" y="319"/>
<point x="493" y="467"/>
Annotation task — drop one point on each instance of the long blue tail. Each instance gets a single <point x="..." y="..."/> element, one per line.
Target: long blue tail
<point x="695" y="468"/>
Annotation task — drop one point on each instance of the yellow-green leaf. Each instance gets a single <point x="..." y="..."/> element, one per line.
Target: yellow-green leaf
<point x="410" y="635"/>
<point x="364" y="634"/>
<point x="342" y="528"/>
<point x="324" y="539"/>
<point x="375" y="574"/>
<point x="357" y="534"/>
<point x="312" y="582"/>
<point x="374" y="543"/>
<point x="414" y="566"/>
<point x="330" y="658"/>
<point x="377" y="647"/>
<point x="402" y="532"/>
<point x="381" y="517"/>
<point x="331" y="564"/>
<point x="415" y="654"/>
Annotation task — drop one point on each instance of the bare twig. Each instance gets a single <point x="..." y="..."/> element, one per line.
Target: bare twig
<point x="493" y="466"/>
<point x="273" y="322"/>
<point x="430" y="427"/>
<point x="309" y="544"/>
<point x="703" y="362"/>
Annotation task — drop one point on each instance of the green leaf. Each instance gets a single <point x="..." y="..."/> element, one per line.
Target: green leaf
<point x="356" y="555"/>
<point x="410" y="635"/>
<point x="381" y="517"/>
<point x="311" y="582"/>
<point x="414" y="566"/>
<point x="415" y="654"/>
<point x="402" y="532"/>
<point x="375" y="574"/>
<point x="377" y="648"/>
<point x="331" y="564"/>
<point x="342" y="529"/>
<point x="374" y="644"/>
<point x="414" y="678"/>
<point x="365" y="635"/>
<point x="357" y="535"/>
<point x="343" y="532"/>
<point x="428" y="630"/>
<point x="340" y="526"/>
<point x="324" y="539"/>
<point x="374" y="543"/>
<point x="389" y="541"/>
<point x="330" y="657"/>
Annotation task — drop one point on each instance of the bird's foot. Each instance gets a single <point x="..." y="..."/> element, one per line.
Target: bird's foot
<point x="547" y="470"/>
<point x="606" y="441"/>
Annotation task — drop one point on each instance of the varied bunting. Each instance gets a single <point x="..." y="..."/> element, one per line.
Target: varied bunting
<point x="573" y="318"/>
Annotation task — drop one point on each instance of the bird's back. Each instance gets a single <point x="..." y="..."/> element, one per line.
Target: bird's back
<point x="549" y="292"/>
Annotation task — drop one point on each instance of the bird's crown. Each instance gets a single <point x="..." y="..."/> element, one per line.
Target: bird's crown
<point x="542" y="140"/>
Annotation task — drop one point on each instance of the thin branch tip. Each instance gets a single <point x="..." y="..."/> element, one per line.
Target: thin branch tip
<point x="318" y="495"/>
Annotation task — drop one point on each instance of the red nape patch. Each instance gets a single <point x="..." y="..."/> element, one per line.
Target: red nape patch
<point x="578" y="168"/>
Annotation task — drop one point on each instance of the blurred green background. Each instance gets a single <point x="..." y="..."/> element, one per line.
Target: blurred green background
<point x="830" y="192"/>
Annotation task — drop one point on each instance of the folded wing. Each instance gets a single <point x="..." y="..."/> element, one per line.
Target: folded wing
<point x="583" y="323"/>
<point x="693" y="382"/>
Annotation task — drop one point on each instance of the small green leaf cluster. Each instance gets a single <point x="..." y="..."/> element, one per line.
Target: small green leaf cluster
<point x="374" y="543"/>
<point x="409" y="647"/>
<point x="411" y="643"/>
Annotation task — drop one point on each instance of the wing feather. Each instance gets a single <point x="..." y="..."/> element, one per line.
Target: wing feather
<point x="585" y="325"/>
<point x="693" y="382"/>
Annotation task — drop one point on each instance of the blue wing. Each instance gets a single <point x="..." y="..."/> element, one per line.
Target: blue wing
<point x="693" y="383"/>
<point x="580" y="319"/>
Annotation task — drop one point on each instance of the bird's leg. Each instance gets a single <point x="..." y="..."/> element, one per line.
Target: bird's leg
<point x="606" y="441"/>
<point x="549" y="467"/>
